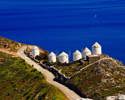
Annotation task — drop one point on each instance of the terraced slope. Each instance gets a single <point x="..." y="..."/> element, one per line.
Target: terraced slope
<point x="19" y="81"/>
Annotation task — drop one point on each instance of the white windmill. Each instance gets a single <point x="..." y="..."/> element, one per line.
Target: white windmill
<point x="63" y="58"/>
<point x="77" y="55"/>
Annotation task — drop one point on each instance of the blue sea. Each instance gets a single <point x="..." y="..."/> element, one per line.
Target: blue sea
<point x="66" y="25"/>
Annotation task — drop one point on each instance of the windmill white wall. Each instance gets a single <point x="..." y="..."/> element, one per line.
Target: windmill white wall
<point x="96" y="49"/>
<point x="77" y="55"/>
<point x="63" y="58"/>
<point x="35" y="51"/>
<point x="86" y="52"/>
<point x="52" y="57"/>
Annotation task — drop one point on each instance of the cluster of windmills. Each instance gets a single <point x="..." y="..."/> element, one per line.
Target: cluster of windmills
<point x="63" y="57"/>
<point x="77" y="55"/>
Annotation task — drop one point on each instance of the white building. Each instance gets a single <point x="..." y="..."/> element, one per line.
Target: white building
<point x="52" y="57"/>
<point x="86" y="52"/>
<point x="96" y="49"/>
<point x="121" y="97"/>
<point x="35" y="52"/>
<point x="63" y="58"/>
<point x="77" y="55"/>
<point x="112" y="98"/>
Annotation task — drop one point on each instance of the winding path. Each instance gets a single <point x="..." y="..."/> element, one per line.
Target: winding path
<point x="98" y="61"/>
<point x="71" y="95"/>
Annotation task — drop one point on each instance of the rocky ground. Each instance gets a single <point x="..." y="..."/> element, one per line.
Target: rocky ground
<point x="101" y="79"/>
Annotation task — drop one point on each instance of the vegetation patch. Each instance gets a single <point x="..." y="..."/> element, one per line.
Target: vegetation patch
<point x="19" y="81"/>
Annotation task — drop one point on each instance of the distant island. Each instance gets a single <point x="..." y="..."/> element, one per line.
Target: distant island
<point x="90" y="75"/>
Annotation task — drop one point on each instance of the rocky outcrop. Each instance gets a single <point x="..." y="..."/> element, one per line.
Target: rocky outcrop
<point x="101" y="79"/>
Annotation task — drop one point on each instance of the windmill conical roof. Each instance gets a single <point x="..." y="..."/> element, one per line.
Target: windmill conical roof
<point x="52" y="54"/>
<point x="77" y="52"/>
<point x="35" y="47"/>
<point x="96" y="44"/>
<point x="63" y="54"/>
<point x="86" y="50"/>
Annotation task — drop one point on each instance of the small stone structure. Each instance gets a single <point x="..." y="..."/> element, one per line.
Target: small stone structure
<point x="93" y="58"/>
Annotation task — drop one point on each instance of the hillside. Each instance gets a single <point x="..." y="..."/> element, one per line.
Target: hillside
<point x="9" y="45"/>
<point x="19" y="81"/>
<point x="73" y="67"/>
<point x="97" y="77"/>
<point x="103" y="78"/>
